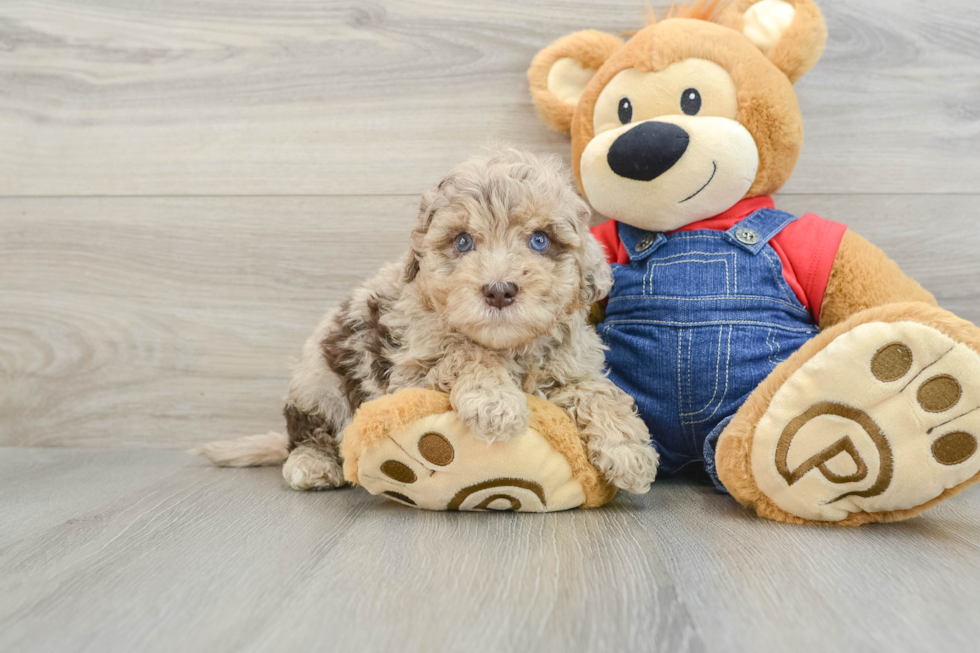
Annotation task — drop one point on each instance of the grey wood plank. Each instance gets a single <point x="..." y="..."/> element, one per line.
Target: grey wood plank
<point x="109" y="550"/>
<point x="210" y="560"/>
<point x="237" y="97"/>
<point x="757" y="585"/>
<point x="167" y="322"/>
<point x="171" y="321"/>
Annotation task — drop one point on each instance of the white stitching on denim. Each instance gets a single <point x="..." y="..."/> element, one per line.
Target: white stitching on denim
<point x="774" y="353"/>
<point x="779" y="350"/>
<point x="724" y="396"/>
<point x="680" y="375"/>
<point x="711" y="236"/>
<point x="714" y="393"/>
<point x="687" y="360"/>
<point x="735" y="266"/>
<point x="779" y="327"/>
<point x="741" y="298"/>
<point x="769" y="344"/>
<point x="714" y="254"/>
<point x="771" y="231"/>
<point x="652" y="264"/>
<point x="691" y="235"/>
<point x="778" y="277"/>
<point x="690" y="385"/>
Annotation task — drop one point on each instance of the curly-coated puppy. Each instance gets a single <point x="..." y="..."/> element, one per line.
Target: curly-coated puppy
<point x="490" y="302"/>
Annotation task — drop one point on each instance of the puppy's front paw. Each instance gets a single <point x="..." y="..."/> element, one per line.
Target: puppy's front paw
<point x="630" y="466"/>
<point x="495" y="413"/>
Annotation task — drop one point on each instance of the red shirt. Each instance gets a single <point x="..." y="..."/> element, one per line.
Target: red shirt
<point x="807" y="247"/>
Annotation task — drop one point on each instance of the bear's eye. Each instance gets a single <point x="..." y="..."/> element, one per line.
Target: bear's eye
<point x="539" y="241"/>
<point x="691" y="102"/>
<point x="463" y="243"/>
<point x="625" y="111"/>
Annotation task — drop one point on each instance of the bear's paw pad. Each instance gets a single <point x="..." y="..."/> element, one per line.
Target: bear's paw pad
<point x="884" y="418"/>
<point x="435" y="463"/>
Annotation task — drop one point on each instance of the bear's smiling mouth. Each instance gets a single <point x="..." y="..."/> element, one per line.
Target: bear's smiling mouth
<point x="714" y="171"/>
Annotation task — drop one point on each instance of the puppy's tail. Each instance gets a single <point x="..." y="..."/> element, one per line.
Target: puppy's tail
<point x="252" y="451"/>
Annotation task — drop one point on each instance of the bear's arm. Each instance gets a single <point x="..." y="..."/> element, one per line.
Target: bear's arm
<point x="863" y="277"/>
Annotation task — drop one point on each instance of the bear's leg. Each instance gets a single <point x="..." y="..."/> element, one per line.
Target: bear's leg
<point x="875" y="419"/>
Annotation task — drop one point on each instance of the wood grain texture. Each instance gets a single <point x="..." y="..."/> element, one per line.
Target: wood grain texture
<point x="242" y="97"/>
<point x="163" y="322"/>
<point x="155" y="551"/>
<point x="167" y="322"/>
<point x="185" y="187"/>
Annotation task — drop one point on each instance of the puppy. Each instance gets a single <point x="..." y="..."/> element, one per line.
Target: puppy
<point x="490" y="302"/>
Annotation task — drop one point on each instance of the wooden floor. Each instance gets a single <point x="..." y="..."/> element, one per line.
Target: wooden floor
<point x="113" y="550"/>
<point x="186" y="186"/>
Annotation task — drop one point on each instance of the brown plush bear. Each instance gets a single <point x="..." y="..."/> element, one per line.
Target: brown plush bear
<point x="788" y="357"/>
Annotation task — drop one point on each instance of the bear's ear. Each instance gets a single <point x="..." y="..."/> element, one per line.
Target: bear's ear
<point x="792" y="33"/>
<point x="560" y="73"/>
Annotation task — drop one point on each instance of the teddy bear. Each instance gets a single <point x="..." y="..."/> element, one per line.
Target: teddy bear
<point x="787" y="357"/>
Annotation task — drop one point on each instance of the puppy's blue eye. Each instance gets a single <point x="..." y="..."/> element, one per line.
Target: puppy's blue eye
<point x="464" y="243"/>
<point x="539" y="241"/>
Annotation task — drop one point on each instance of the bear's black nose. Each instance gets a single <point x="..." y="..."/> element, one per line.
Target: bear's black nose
<point x="648" y="150"/>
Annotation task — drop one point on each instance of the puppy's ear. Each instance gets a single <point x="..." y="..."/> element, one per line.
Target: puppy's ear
<point x="792" y="33"/>
<point x="560" y="73"/>
<point x="597" y="277"/>
<point x="432" y="199"/>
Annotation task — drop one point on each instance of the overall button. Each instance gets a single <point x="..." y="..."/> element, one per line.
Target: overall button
<point x="646" y="242"/>
<point x="747" y="236"/>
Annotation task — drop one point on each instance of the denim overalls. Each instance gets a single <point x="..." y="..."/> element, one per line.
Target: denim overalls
<point x="695" y="322"/>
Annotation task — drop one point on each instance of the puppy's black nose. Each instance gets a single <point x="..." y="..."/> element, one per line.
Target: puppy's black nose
<point x="648" y="150"/>
<point x="499" y="295"/>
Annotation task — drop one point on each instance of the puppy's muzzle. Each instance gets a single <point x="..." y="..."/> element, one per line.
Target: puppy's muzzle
<point x="648" y="150"/>
<point x="500" y="295"/>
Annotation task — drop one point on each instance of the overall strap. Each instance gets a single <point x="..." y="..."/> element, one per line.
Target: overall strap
<point x="755" y="231"/>
<point x="639" y="243"/>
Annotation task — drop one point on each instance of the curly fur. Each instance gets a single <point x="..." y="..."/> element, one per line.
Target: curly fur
<point x="424" y="322"/>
